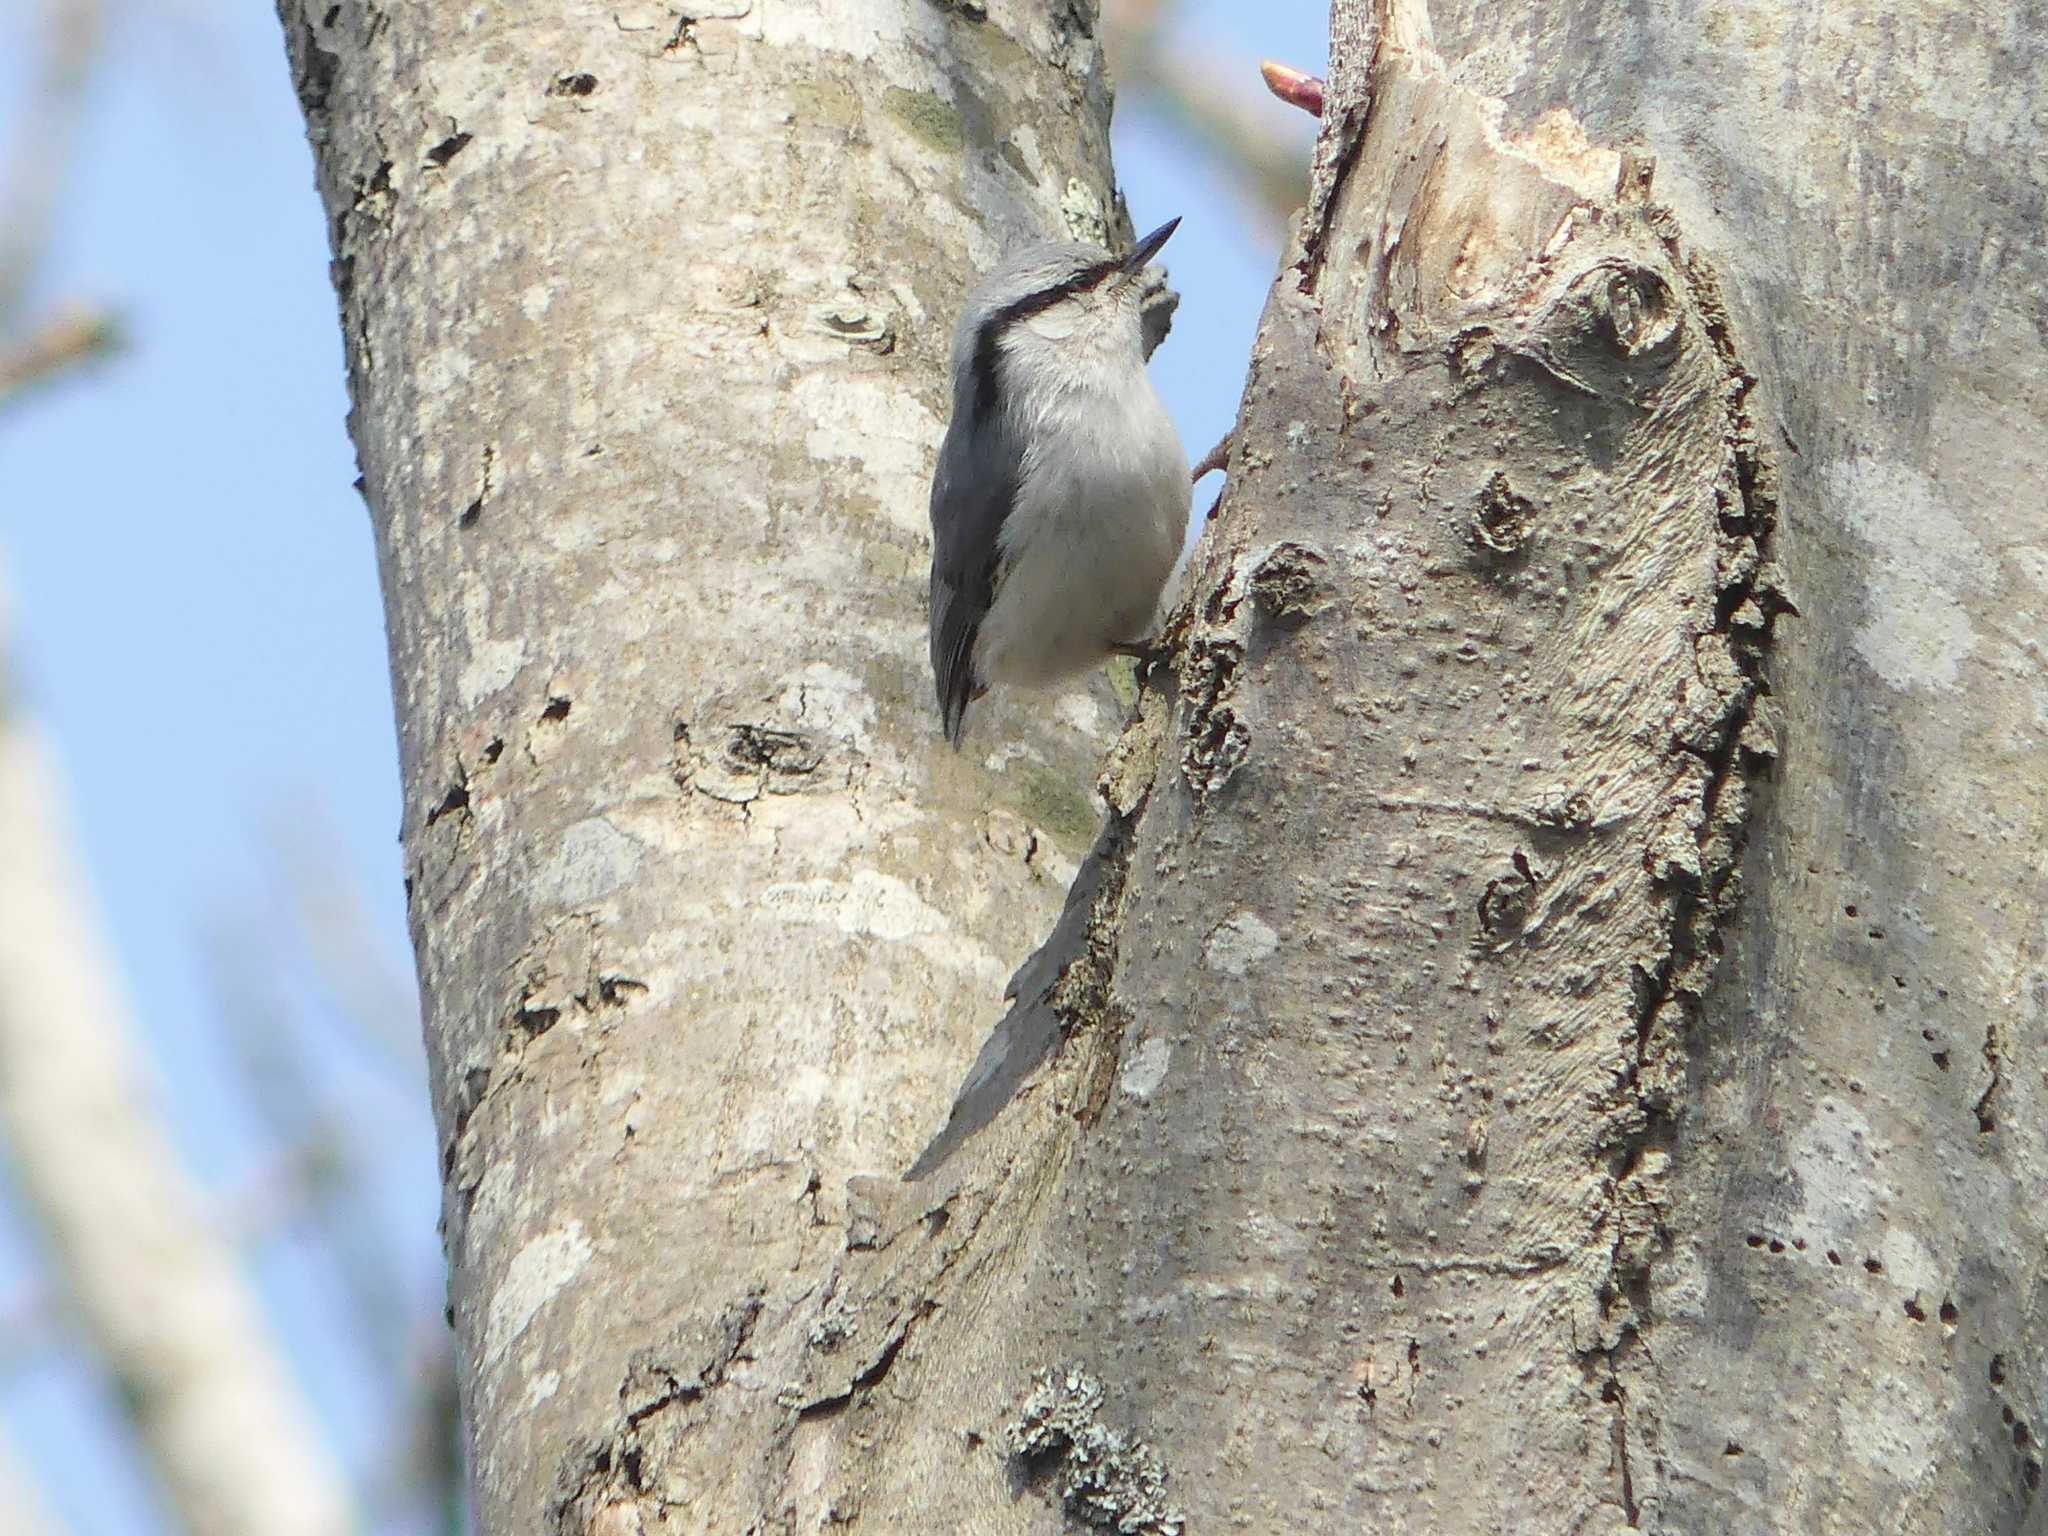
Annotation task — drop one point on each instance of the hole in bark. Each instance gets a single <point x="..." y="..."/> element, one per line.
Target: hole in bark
<point x="447" y="149"/>
<point x="1834" y="1257"/>
<point x="2005" y="1412"/>
<point x="1501" y="522"/>
<point x="1756" y="1239"/>
<point x="538" y="1021"/>
<point x="573" y="85"/>
<point x="2033" y="1474"/>
<point x="557" y="710"/>
<point x="2020" y="1435"/>
<point x="1732" y="1448"/>
<point x="494" y="751"/>
<point x="1948" y="1313"/>
<point x="1914" y="1310"/>
<point x="471" y="513"/>
<point x="1941" y="1060"/>
<point x="1397" y="1288"/>
<point x="1875" y="1266"/>
<point x="333" y="15"/>
<point x="1849" y="911"/>
<point x="1776" y="1246"/>
<point x="457" y="799"/>
<point x="1997" y="1370"/>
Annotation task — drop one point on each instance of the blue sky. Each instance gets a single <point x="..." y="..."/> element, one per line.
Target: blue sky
<point x="196" y="622"/>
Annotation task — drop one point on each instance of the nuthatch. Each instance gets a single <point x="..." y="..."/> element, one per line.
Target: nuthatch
<point x="1060" y="500"/>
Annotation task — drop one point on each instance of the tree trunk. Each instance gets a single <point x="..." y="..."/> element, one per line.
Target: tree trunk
<point x="646" y="319"/>
<point x="1544" y="1041"/>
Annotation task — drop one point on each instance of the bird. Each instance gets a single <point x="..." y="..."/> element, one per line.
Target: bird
<point x="1059" y="500"/>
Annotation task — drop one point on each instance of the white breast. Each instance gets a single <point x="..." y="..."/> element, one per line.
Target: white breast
<point x="1098" y="523"/>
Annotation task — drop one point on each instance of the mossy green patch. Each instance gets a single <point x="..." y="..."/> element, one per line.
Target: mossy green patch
<point x="1122" y="672"/>
<point x="1052" y="804"/>
<point x="931" y="118"/>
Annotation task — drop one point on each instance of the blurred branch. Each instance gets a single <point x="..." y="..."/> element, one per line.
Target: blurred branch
<point x="44" y="145"/>
<point x="1210" y="102"/>
<point x="36" y="351"/>
<point x="72" y="334"/>
<point x="152" y="1281"/>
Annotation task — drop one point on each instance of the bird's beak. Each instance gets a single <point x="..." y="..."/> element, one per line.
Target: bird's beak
<point x="1148" y="247"/>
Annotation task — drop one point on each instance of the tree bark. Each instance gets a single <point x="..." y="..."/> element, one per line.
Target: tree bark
<point x="646" y="317"/>
<point x="1544" y="1032"/>
<point x="1457" y="1147"/>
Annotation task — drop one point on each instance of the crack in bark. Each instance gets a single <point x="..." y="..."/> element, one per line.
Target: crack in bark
<point x="1987" y="1120"/>
<point x="1700" y="890"/>
<point x="1616" y="1394"/>
<point x="837" y="1402"/>
<point x="737" y="1330"/>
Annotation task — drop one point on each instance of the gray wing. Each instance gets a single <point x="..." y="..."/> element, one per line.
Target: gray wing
<point x="972" y="492"/>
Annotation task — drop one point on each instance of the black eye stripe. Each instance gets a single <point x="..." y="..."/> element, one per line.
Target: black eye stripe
<point x="985" y="339"/>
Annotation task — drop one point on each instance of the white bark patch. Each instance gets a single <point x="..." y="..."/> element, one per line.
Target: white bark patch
<point x="534" y="1278"/>
<point x="858" y="31"/>
<point x="1239" y="943"/>
<point x="872" y="423"/>
<point x="1917" y="631"/>
<point x="1682" y="1284"/>
<point x="594" y="860"/>
<point x="1910" y="1267"/>
<point x="541" y="1388"/>
<point x="492" y="666"/>
<point x="827" y="701"/>
<point x="1837" y="1175"/>
<point x="1078" y="710"/>
<point x="877" y="906"/>
<point x="1146" y="1069"/>
<point x="1892" y="1428"/>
